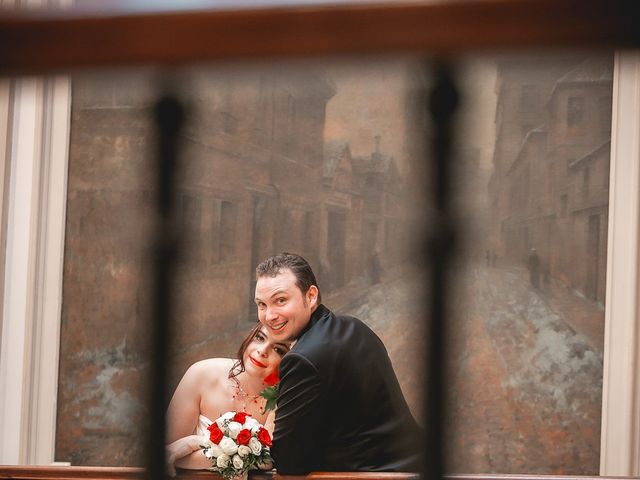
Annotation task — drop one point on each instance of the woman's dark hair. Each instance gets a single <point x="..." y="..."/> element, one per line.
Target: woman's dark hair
<point x="275" y="265"/>
<point x="238" y="366"/>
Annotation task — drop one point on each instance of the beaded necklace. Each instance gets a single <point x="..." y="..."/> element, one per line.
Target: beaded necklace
<point x="241" y="397"/>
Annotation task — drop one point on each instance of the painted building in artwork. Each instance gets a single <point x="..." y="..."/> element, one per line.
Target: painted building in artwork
<point x="549" y="187"/>
<point x="257" y="179"/>
<point x="262" y="181"/>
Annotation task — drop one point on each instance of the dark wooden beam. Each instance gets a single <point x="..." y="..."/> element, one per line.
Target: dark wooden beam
<point x="129" y="473"/>
<point x="59" y="41"/>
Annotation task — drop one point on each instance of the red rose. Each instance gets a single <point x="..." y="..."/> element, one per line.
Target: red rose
<point x="264" y="437"/>
<point x="215" y="434"/>
<point x="244" y="436"/>
<point x="241" y="417"/>
<point x="271" y="379"/>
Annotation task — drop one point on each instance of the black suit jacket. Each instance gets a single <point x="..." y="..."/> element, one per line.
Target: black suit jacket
<point x="340" y="406"/>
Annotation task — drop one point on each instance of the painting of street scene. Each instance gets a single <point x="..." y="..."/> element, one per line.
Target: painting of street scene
<point x="331" y="161"/>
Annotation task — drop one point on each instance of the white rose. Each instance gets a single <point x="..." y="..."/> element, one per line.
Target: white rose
<point x="225" y="417"/>
<point x="223" y="461"/>
<point x="237" y="462"/>
<point x="251" y="424"/>
<point x="205" y="441"/>
<point x="208" y="453"/>
<point x="234" y="429"/>
<point x="243" y="451"/>
<point x="228" y="446"/>
<point x="215" y="450"/>
<point x="255" y="446"/>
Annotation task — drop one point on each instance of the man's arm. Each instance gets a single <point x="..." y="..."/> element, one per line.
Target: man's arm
<point x="300" y="433"/>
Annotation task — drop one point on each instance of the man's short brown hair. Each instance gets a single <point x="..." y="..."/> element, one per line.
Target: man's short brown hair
<point x="275" y="265"/>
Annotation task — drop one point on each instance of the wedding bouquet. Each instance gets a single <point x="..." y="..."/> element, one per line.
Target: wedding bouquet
<point x="237" y="443"/>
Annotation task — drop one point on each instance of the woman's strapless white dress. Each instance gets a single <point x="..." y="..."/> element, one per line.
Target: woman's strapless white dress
<point x="201" y="429"/>
<point x="203" y="425"/>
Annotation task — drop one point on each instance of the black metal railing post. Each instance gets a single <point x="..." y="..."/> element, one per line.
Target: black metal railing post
<point x="169" y="118"/>
<point x="443" y="101"/>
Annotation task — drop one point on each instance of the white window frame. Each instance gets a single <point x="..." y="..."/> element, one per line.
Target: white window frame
<point x="36" y="142"/>
<point x="35" y="123"/>
<point x="620" y="431"/>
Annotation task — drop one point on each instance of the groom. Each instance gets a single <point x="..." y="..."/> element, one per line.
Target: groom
<point x="340" y="406"/>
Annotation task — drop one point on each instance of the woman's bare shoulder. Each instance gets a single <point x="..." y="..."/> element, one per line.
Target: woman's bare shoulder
<point x="211" y="368"/>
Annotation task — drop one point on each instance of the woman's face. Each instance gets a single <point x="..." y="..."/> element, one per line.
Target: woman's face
<point x="263" y="354"/>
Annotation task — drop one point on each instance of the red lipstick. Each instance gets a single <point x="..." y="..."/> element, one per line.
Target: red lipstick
<point x="257" y="363"/>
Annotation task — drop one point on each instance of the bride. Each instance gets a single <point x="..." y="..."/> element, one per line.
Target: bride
<point x="214" y="386"/>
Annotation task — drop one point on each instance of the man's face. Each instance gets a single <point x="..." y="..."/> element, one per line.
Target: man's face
<point x="282" y="307"/>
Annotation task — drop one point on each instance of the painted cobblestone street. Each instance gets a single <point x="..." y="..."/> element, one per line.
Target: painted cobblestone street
<point x="525" y="378"/>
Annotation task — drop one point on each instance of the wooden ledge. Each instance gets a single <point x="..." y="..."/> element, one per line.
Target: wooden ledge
<point x="38" y="41"/>
<point x="28" y="472"/>
<point x="14" y="472"/>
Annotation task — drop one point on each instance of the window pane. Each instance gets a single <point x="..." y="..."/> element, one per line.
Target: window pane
<point x="528" y="340"/>
<point x="330" y="160"/>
